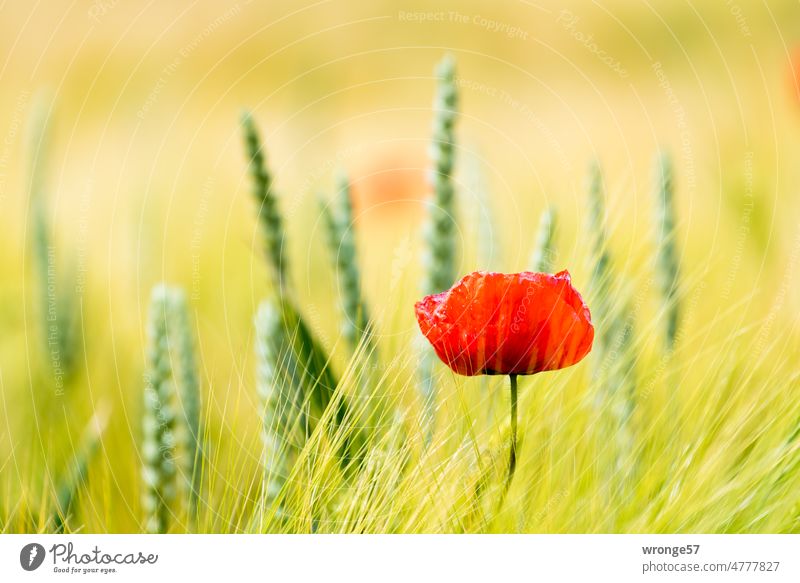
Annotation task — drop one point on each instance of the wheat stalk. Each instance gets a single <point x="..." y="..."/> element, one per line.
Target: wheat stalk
<point x="543" y="257"/>
<point x="186" y="378"/>
<point x="342" y="243"/>
<point x="264" y="196"/>
<point x="158" y="449"/>
<point x="439" y="259"/>
<point x="613" y="357"/>
<point x="58" y="301"/>
<point x="600" y="281"/>
<point x="314" y="374"/>
<point x="667" y="267"/>
<point x="440" y="253"/>
<point x="281" y="404"/>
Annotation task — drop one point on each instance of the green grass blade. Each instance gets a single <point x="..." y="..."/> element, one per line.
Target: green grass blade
<point x="75" y="477"/>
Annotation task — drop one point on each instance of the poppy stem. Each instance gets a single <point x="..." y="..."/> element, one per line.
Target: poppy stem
<point x="512" y="458"/>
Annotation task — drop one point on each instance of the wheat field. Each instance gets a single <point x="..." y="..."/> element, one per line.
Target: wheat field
<point x="214" y="232"/>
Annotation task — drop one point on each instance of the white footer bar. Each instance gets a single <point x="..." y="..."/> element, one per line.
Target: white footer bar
<point x="420" y="558"/>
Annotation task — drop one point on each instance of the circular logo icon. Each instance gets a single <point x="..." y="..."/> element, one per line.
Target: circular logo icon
<point x="31" y="556"/>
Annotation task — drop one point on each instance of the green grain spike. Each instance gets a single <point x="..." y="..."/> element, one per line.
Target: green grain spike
<point x="314" y="372"/>
<point x="440" y="257"/>
<point x="59" y="303"/>
<point x="158" y="451"/>
<point x="667" y="267"/>
<point x="439" y="260"/>
<point x="264" y="195"/>
<point x="281" y="405"/>
<point x="600" y="281"/>
<point x="544" y="253"/>
<point x="342" y="243"/>
<point x="187" y="379"/>
<point x="613" y="357"/>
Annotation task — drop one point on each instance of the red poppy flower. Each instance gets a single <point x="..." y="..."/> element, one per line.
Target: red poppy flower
<point x="518" y="323"/>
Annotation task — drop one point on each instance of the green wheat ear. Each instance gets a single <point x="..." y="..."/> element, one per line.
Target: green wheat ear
<point x="281" y="404"/>
<point x="356" y="326"/>
<point x="309" y="353"/>
<point x="158" y="450"/>
<point x="614" y="358"/>
<point x="439" y="260"/>
<point x="264" y="196"/>
<point x="78" y="471"/>
<point x="59" y="303"/>
<point x="440" y="253"/>
<point x="314" y="373"/>
<point x="614" y="325"/>
<point x="600" y="259"/>
<point x="187" y="379"/>
<point x="667" y="267"/>
<point x="544" y="252"/>
<point x="342" y="244"/>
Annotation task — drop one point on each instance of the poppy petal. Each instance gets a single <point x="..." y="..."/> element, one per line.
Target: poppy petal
<point x="518" y="323"/>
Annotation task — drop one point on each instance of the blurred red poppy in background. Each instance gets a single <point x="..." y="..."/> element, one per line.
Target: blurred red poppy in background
<point x="518" y="323"/>
<point x="794" y="73"/>
<point x="390" y="185"/>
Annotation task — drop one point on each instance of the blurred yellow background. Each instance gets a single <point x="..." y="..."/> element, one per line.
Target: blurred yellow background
<point x="147" y="179"/>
